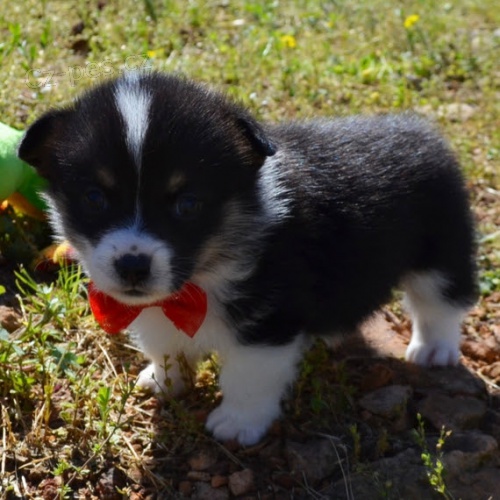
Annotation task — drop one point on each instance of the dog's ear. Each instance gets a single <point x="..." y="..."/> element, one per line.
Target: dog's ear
<point x="255" y="133"/>
<point x="38" y="143"/>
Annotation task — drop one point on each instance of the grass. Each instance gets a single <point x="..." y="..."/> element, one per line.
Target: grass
<point x="69" y="408"/>
<point x="433" y="461"/>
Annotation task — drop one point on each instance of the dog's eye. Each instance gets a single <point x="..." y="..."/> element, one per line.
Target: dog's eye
<point x="187" y="206"/>
<point x="95" y="199"/>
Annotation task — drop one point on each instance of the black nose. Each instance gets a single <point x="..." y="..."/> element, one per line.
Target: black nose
<point x="133" y="268"/>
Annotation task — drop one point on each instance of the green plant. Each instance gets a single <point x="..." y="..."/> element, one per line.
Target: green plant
<point x="433" y="462"/>
<point x="356" y="441"/>
<point x="60" y="301"/>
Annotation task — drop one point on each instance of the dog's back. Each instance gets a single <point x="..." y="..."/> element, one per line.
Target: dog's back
<point x="373" y="200"/>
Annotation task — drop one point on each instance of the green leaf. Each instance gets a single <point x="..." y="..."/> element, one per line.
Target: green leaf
<point x="4" y="334"/>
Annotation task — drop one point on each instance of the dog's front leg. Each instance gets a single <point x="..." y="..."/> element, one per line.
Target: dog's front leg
<point x="253" y="380"/>
<point x="166" y="348"/>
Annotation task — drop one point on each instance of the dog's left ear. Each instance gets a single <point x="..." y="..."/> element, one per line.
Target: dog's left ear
<point x="255" y="133"/>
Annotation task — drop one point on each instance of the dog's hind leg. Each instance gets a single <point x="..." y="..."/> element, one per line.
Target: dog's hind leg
<point x="436" y="320"/>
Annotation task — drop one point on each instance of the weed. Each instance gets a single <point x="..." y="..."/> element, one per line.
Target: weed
<point x="60" y="302"/>
<point x="324" y="391"/>
<point x="356" y="440"/>
<point x="433" y="462"/>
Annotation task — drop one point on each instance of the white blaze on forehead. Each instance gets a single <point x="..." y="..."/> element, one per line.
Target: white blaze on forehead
<point x="133" y="103"/>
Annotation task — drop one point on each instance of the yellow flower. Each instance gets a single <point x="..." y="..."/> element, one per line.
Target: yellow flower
<point x="153" y="54"/>
<point x="410" y="21"/>
<point x="288" y="41"/>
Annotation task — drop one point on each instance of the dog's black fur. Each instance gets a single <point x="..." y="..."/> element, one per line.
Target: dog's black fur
<point x="324" y="217"/>
<point x="384" y="198"/>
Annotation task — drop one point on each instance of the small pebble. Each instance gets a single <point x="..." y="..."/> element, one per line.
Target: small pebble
<point x="195" y="475"/>
<point x="242" y="482"/>
<point x="218" y="481"/>
<point x="185" y="488"/>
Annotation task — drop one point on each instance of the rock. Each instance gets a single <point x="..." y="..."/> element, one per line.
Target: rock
<point x="315" y="459"/>
<point x="285" y="480"/>
<point x="466" y="451"/>
<point x="459" y="381"/>
<point x="471" y="442"/>
<point x="377" y="375"/>
<point x="109" y="483"/>
<point x="454" y="413"/>
<point x="456" y="111"/>
<point x="132" y="496"/>
<point x="218" y="481"/>
<point x="135" y="473"/>
<point x="389" y="402"/>
<point x="185" y="488"/>
<point x="491" y="424"/>
<point x="456" y="380"/>
<point x="196" y="475"/>
<point x="407" y="473"/>
<point x="486" y="350"/>
<point x="241" y="482"/>
<point x="492" y="372"/>
<point x="50" y="488"/>
<point x="405" y="476"/>
<point x="203" y="491"/>
<point x="401" y="476"/>
<point x="203" y="460"/>
<point x="476" y="484"/>
<point x="9" y="319"/>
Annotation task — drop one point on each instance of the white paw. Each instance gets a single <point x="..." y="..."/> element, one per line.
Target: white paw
<point x="247" y="427"/>
<point x="153" y="378"/>
<point x="437" y="353"/>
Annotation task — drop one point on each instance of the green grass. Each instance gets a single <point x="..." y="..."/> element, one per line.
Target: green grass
<point x="433" y="462"/>
<point x="69" y="408"/>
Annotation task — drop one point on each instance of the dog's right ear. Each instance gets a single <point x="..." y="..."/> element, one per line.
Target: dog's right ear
<point x="38" y="143"/>
<point x="256" y="135"/>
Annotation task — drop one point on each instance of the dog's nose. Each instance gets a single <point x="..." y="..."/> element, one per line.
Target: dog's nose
<point x="133" y="268"/>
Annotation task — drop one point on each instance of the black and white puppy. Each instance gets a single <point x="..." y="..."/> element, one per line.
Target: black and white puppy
<point x="290" y="230"/>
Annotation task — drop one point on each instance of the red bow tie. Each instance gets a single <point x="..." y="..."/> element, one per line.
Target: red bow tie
<point x="186" y="309"/>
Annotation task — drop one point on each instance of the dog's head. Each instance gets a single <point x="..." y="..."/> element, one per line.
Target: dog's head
<point x="141" y="173"/>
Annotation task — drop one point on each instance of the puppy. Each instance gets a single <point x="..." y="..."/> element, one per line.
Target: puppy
<point x="165" y="188"/>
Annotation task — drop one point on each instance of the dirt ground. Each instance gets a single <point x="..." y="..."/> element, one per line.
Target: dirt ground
<point x="368" y="446"/>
